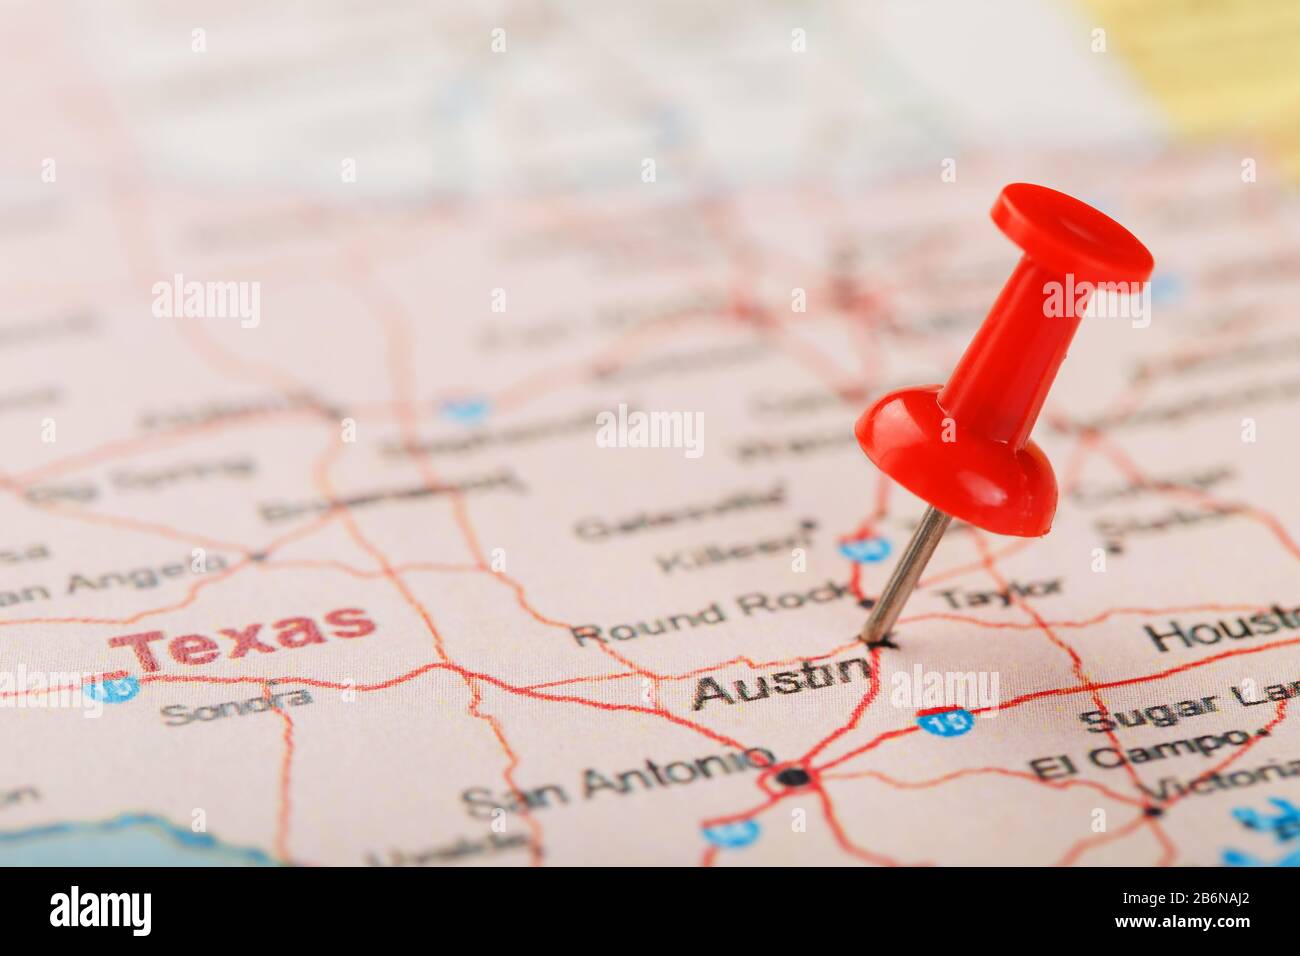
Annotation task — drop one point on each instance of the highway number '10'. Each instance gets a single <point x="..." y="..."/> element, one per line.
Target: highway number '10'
<point x="948" y="723"/>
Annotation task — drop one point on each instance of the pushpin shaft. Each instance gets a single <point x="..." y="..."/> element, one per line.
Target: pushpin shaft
<point x="907" y="572"/>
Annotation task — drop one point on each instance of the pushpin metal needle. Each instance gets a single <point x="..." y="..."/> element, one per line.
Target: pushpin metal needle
<point x="907" y="572"/>
<point x="964" y="447"/>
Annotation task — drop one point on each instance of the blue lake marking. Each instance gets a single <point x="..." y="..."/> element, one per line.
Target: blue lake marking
<point x="947" y="723"/>
<point x="114" y="691"/>
<point x="732" y="836"/>
<point x="1283" y="824"/>
<point x="866" y="550"/>
<point x="130" y="839"/>
<point x="466" y="411"/>
<point x="669" y="126"/>
<point x="1166" y="287"/>
<point x="1237" y="858"/>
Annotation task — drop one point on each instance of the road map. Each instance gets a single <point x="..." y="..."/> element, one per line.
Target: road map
<point x="331" y="345"/>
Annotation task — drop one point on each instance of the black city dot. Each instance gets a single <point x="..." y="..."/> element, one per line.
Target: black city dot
<point x="793" y="777"/>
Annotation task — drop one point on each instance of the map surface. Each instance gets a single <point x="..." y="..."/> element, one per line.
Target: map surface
<point x="334" y="568"/>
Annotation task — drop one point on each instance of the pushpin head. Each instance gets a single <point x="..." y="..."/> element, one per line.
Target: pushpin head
<point x="1064" y="235"/>
<point x="964" y="447"/>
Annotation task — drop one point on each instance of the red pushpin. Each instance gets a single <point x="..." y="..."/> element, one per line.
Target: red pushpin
<point x="964" y="447"/>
